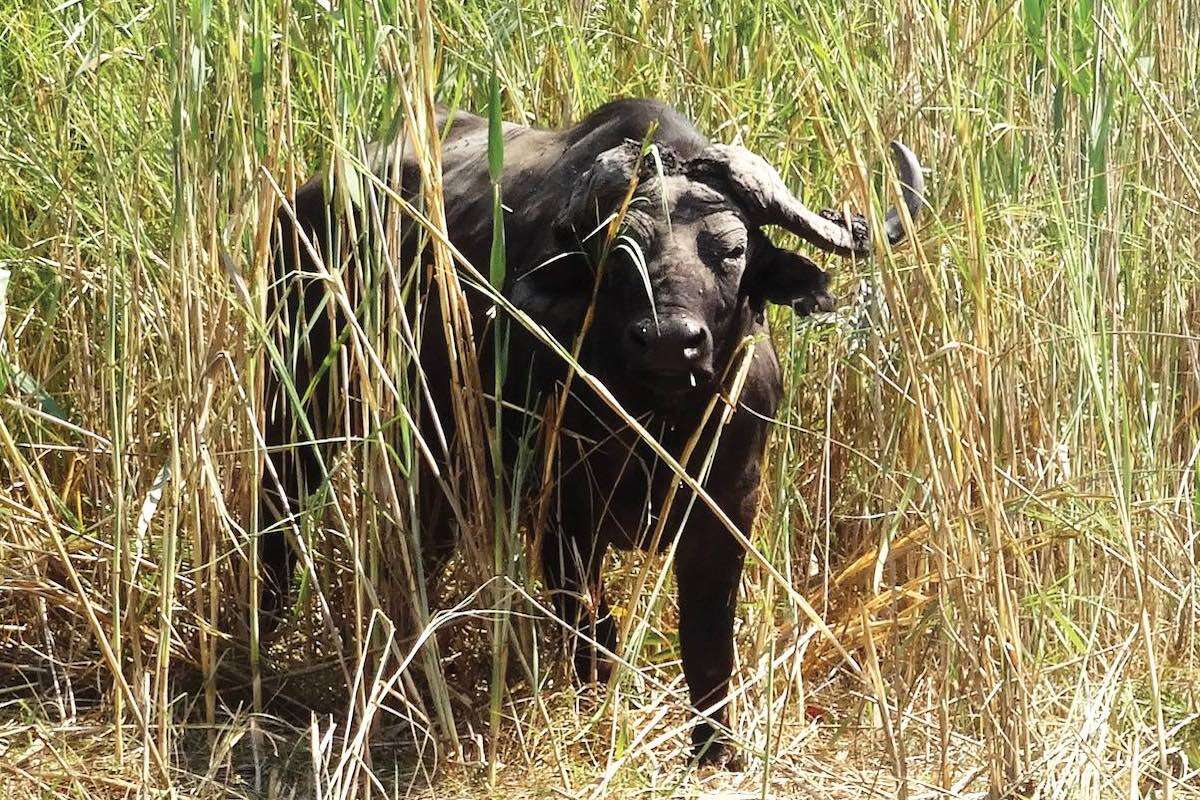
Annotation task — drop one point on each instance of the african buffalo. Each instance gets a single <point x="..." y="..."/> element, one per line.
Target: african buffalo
<point x="672" y="292"/>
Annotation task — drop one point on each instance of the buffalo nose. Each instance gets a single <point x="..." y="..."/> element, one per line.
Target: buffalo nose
<point x="673" y="344"/>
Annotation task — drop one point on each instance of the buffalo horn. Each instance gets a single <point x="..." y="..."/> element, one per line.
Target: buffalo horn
<point x="767" y="201"/>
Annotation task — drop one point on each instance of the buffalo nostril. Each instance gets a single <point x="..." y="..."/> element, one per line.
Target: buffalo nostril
<point x="670" y="344"/>
<point x="693" y="338"/>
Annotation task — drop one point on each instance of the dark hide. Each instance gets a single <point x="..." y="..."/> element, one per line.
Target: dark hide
<point x="711" y="269"/>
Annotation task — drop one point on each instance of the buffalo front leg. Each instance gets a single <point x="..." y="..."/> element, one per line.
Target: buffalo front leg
<point x="571" y="566"/>
<point x="708" y="568"/>
<point x="708" y="561"/>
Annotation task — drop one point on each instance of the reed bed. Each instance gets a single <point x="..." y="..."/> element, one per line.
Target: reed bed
<point x="983" y="478"/>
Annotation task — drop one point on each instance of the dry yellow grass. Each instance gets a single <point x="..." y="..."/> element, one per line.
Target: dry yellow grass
<point x="984" y="477"/>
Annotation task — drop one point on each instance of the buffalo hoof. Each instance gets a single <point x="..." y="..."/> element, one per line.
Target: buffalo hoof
<point x="718" y="755"/>
<point x="272" y="611"/>
<point x="592" y="668"/>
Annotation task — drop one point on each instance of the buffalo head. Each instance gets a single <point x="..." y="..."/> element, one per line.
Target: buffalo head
<point x="687" y="264"/>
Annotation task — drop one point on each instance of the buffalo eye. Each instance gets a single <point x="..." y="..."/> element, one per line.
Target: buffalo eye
<point x="735" y="252"/>
<point x="726" y="250"/>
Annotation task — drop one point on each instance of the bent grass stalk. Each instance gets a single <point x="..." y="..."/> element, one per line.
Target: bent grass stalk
<point x="991" y="457"/>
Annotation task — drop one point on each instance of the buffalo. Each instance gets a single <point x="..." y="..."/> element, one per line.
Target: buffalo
<point x="633" y="229"/>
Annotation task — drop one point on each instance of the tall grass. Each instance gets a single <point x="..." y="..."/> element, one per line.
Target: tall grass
<point x="983" y="479"/>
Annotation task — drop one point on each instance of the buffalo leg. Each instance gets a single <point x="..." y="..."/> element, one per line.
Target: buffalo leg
<point x="303" y="330"/>
<point x="277" y="513"/>
<point x="571" y="566"/>
<point x="294" y="472"/>
<point x="708" y="568"/>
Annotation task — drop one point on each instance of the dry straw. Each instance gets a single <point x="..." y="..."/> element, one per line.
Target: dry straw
<point x="975" y="569"/>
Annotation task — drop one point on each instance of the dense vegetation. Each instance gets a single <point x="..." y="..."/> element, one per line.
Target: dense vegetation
<point x="983" y="479"/>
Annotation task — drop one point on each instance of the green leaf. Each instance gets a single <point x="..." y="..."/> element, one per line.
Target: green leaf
<point x="10" y="373"/>
<point x="28" y="385"/>
<point x="258" y="68"/>
<point x="350" y="179"/>
<point x="5" y="275"/>
<point x="496" y="170"/>
<point x="495" y="130"/>
<point x="1033" y="15"/>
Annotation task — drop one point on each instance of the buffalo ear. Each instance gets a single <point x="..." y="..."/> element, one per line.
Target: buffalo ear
<point x="788" y="279"/>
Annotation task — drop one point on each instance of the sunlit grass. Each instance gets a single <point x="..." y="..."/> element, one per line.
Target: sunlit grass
<point x="983" y="477"/>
